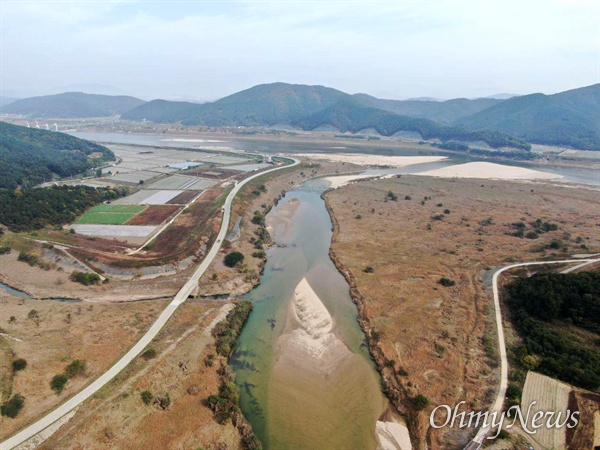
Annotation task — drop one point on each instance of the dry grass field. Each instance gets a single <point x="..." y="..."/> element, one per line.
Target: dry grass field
<point x="117" y="418"/>
<point x="49" y="335"/>
<point x="429" y="339"/>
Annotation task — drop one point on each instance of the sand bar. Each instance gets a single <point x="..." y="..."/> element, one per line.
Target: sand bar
<point x="364" y="159"/>
<point x="489" y="171"/>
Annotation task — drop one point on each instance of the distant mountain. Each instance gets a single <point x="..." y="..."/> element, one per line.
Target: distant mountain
<point x="262" y="105"/>
<point x="7" y="100"/>
<point x="441" y="111"/>
<point x="30" y="156"/>
<point x="502" y="96"/>
<point x="424" y="99"/>
<point x="73" y="105"/>
<point x="351" y="115"/>
<point x="570" y="118"/>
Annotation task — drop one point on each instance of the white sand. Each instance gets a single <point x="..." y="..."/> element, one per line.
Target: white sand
<point x="343" y="180"/>
<point x="282" y="216"/>
<point x="363" y="159"/>
<point x="310" y="339"/>
<point x="392" y="436"/>
<point x="489" y="171"/>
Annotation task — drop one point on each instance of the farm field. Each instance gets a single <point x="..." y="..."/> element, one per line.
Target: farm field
<point x="154" y="215"/>
<point x="110" y="214"/>
<point x="182" y="182"/>
<point x="549" y="395"/>
<point x="184" y="198"/>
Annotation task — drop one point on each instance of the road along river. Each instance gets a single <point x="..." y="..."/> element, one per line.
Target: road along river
<point x="306" y="379"/>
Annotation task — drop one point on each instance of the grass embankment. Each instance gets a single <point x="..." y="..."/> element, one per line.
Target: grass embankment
<point x="226" y="404"/>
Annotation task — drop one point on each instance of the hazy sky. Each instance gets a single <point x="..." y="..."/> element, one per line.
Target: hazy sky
<point x="206" y="50"/>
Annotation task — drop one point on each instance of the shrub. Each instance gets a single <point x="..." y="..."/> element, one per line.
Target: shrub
<point x="12" y="407"/>
<point x="58" y="382"/>
<point x="233" y="258"/>
<point x="407" y="197"/>
<point x="147" y="397"/>
<point x="19" y="364"/>
<point x="76" y="368"/>
<point x="446" y="282"/>
<point x="368" y="269"/>
<point x="85" y="278"/>
<point x="4" y="250"/>
<point x="149" y="353"/>
<point x="532" y="235"/>
<point x="420" y="402"/>
<point x="29" y="258"/>
<point x="555" y="244"/>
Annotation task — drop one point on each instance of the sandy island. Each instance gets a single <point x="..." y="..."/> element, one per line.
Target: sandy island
<point x="490" y="171"/>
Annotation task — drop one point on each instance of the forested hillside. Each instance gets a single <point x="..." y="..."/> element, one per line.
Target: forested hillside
<point x="73" y="104"/>
<point x="543" y="309"/>
<point x="351" y="116"/>
<point x="30" y="156"/>
<point x="56" y="205"/>
<point x="570" y="118"/>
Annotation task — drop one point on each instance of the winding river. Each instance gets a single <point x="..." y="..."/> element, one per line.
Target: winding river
<point x="306" y="379"/>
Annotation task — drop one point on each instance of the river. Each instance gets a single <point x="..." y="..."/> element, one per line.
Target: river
<point x="294" y="399"/>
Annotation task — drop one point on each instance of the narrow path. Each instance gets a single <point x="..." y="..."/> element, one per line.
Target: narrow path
<point x="497" y="406"/>
<point x="181" y="297"/>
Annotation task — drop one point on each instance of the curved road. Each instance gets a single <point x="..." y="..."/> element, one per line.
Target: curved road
<point x="181" y="297"/>
<point x="497" y="406"/>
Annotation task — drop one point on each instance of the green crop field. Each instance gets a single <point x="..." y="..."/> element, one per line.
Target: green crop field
<point x="110" y="214"/>
<point x="133" y="209"/>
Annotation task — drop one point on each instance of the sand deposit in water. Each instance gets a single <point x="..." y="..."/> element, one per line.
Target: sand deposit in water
<point x="305" y="376"/>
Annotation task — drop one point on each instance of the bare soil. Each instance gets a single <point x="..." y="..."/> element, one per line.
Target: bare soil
<point x="153" y="215"/>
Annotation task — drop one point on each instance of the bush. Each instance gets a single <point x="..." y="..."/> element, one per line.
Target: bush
<point x="532" y="235"/>
<point x="147" y="397"/>
<point x="149" y="353"/>
<point x="85" y="278"/>
<point x="446" y="282"/>
<point x="58" y="382"/>
<point x="76" y="368"/>
<point x="233" y="258"/>
<point x="4" y="250"/>
<point x="19" y="364"/>
<point x="29" y="258"/>
<point x="12" y="407"/>
<point x="368" y="269"/>
<point x="420" y="402"/>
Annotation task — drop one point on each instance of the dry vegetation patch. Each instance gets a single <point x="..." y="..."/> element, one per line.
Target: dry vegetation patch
<point x="431" y="337"/>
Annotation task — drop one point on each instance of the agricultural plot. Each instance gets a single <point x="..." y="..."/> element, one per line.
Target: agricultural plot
<point x="154" y="215"/>
<point x="184" y="198"/>
<point x="110" y="214"/>
<point x="140" y="231"/>
<point x="133" y="177"/>
<point x="180" y="182"/>
<point x="248" y="167"/>
<point x="549" y="395"/>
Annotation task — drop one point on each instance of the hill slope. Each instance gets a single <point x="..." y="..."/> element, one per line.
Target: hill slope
<point x="349" y="115"/>
<point x="262" y="105"/>
<point x="569" y="118"/>
<point x="441" y="111"/>
<point x="30" y="156"/>
<point x="73" y="105"/>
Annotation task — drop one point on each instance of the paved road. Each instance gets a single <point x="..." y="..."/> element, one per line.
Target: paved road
<point x="497" y="406"/>
<point x="181" y="297"/>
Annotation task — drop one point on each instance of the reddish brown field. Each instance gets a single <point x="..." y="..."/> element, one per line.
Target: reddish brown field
<point x="183" y="199"/>
<point x="153" y="215"/>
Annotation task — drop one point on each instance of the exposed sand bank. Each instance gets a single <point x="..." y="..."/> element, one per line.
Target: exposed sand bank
<point x="392" y="436"/>
<point x="363" y="159"/>
<point x="310" y="337"/>
<point x="491" y="171"/>
<point x="318" y="386"/>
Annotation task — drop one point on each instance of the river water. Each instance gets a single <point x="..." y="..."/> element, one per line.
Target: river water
<point x="291" y="403"/>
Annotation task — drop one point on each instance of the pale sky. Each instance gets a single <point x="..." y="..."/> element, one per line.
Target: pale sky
<point x="205" y="50"/>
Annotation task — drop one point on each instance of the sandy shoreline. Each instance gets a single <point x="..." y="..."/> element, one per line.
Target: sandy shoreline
<point x="489" y="171"/>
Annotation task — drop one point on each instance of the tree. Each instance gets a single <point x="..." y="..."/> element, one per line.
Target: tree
<point x="446" y="282"/>
<point x="147" y="397"/>
<point x="420" y="402"/>
<point x="98" y="173"/>
<point x="233" y="258"/>
<point x="12" y="407"/>
<point x="58" y="382"/>
<point x="76" y="368"/>
<point x="19" y="364"/>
